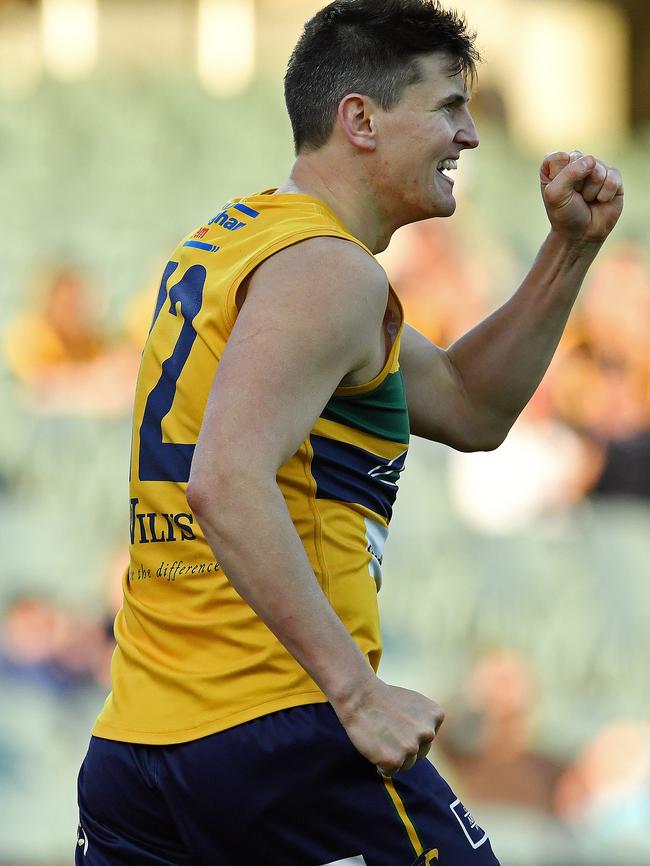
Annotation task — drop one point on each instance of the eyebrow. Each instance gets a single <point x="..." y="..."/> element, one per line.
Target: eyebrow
<point x="455" y="99"/>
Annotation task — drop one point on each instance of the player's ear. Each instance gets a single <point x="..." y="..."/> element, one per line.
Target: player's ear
<point x="356" y="121"/>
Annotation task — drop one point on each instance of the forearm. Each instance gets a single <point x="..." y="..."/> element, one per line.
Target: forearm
<point x="251" y="533"/>
<point x="503" y="359"/>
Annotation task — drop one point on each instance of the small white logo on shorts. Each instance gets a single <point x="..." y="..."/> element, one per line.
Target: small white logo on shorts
<point x="82" y="839"/>
<point x="349" y="861"/>
<point x="476" y="836"/>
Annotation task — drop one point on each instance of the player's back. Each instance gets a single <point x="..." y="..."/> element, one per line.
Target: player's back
<point x="192" y="657"/>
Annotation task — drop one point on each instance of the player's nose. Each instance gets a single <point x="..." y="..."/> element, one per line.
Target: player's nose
<point x="467" y="135"/>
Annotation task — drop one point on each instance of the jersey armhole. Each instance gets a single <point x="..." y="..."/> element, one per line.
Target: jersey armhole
<point x="392" y="361"/>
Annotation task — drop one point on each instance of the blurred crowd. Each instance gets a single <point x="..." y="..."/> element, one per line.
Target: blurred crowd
<point x="590" y="416"/>
<point x="586" y="432"/>
<point x="596" y="800"/>
<point x="64" y="360"/>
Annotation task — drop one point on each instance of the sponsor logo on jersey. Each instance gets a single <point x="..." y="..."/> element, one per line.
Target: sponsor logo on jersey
<point x="153" y="528"/>
<point x="232" y="223"/>
<point x="389" y="473"/>
<point x="348" y="473"/>
<point x="198" y="244"/>
<point x="476" y="836"/>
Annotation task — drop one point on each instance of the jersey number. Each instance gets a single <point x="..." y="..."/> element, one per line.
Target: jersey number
<point x="158" y="460"/>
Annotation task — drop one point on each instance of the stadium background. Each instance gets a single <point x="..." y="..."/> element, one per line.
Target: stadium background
<point x="516" y="587"/>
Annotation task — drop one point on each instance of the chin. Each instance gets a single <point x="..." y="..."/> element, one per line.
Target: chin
<point x="451" y="208"/>
<point x="443" y="209"/>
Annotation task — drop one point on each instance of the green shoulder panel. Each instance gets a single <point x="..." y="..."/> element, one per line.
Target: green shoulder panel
<point x="381" y="412"/>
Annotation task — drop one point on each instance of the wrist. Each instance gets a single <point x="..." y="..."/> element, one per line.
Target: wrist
<point x="348" y="695"/>
<point x="575" y="247"/>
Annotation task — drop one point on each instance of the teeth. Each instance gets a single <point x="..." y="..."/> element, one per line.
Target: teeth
<point x="448" y="165"/>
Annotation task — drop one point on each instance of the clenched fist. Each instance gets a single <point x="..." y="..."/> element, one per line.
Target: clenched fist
<point x="390" y="726"/>
<point x="583" y="196"/>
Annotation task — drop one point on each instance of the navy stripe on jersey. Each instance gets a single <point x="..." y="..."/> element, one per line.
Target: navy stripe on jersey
<point x="209" y="248"/>
<point x="346" y="473"/>
<point x="242" y="208"/>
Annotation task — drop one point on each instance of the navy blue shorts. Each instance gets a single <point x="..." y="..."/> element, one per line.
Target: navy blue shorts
<point x="287" y="789"/>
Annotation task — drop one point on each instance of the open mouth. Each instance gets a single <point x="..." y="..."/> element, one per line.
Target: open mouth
<point x="447" y="165"/>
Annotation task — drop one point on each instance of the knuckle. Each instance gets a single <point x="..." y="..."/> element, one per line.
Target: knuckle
<point x="410" y="749"/>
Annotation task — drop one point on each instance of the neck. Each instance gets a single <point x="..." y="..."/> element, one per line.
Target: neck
<point x="347" y="191"/>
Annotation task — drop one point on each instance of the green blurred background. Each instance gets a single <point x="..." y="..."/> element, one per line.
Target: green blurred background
<point x="516" y="587"/>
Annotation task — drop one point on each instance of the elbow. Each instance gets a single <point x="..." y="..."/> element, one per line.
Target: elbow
<point x="217" y="490"/>
<point x="487" y="438"/>
<point x="212" y="506"/>
<point x="491" y="438"/>
<point x="198" y="498"/>
<point x="207" y="486"/>
<point x="474" y="444"/>
<point x="208" y="492"/>
<point x="491" y="430"/>
<point x="490" y="444"/>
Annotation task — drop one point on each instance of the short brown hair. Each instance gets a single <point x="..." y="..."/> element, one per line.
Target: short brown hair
<point x="371" y="47"/>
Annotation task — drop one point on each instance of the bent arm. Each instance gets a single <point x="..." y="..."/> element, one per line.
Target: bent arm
<point x="311" y="316"/>
<point x="470" y="395"/>
<point x="503" y="360"/>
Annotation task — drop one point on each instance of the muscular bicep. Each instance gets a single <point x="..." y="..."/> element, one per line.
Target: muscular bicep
<point x="310" y="317"/>
<point x="437" y="401"/>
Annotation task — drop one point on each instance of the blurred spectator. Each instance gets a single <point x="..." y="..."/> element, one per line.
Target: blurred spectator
<point x="587" y="430"/>
<point x="444" y="291"/>
<point x="605" y="794"/>
<point x="600" y="382"/>
<point x="488" y="738"/>
<point x="43" y="644"/>
<point x="543" y="467"/>
<point x="62" y="359"/>
<point x="626" y="468"/>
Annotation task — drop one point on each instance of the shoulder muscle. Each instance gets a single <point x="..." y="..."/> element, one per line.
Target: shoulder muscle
<point x="310" y="317"/>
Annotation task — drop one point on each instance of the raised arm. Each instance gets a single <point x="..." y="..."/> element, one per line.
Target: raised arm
<point x="312" y="316"/>
<point x="470" y="395"/>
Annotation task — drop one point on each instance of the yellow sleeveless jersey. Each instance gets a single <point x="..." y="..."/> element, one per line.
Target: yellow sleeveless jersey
<point x="192" y="657"/>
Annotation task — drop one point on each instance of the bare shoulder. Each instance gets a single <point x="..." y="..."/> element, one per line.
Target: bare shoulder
<point x="324" y="270"/>
<point x="311" y="316"/>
